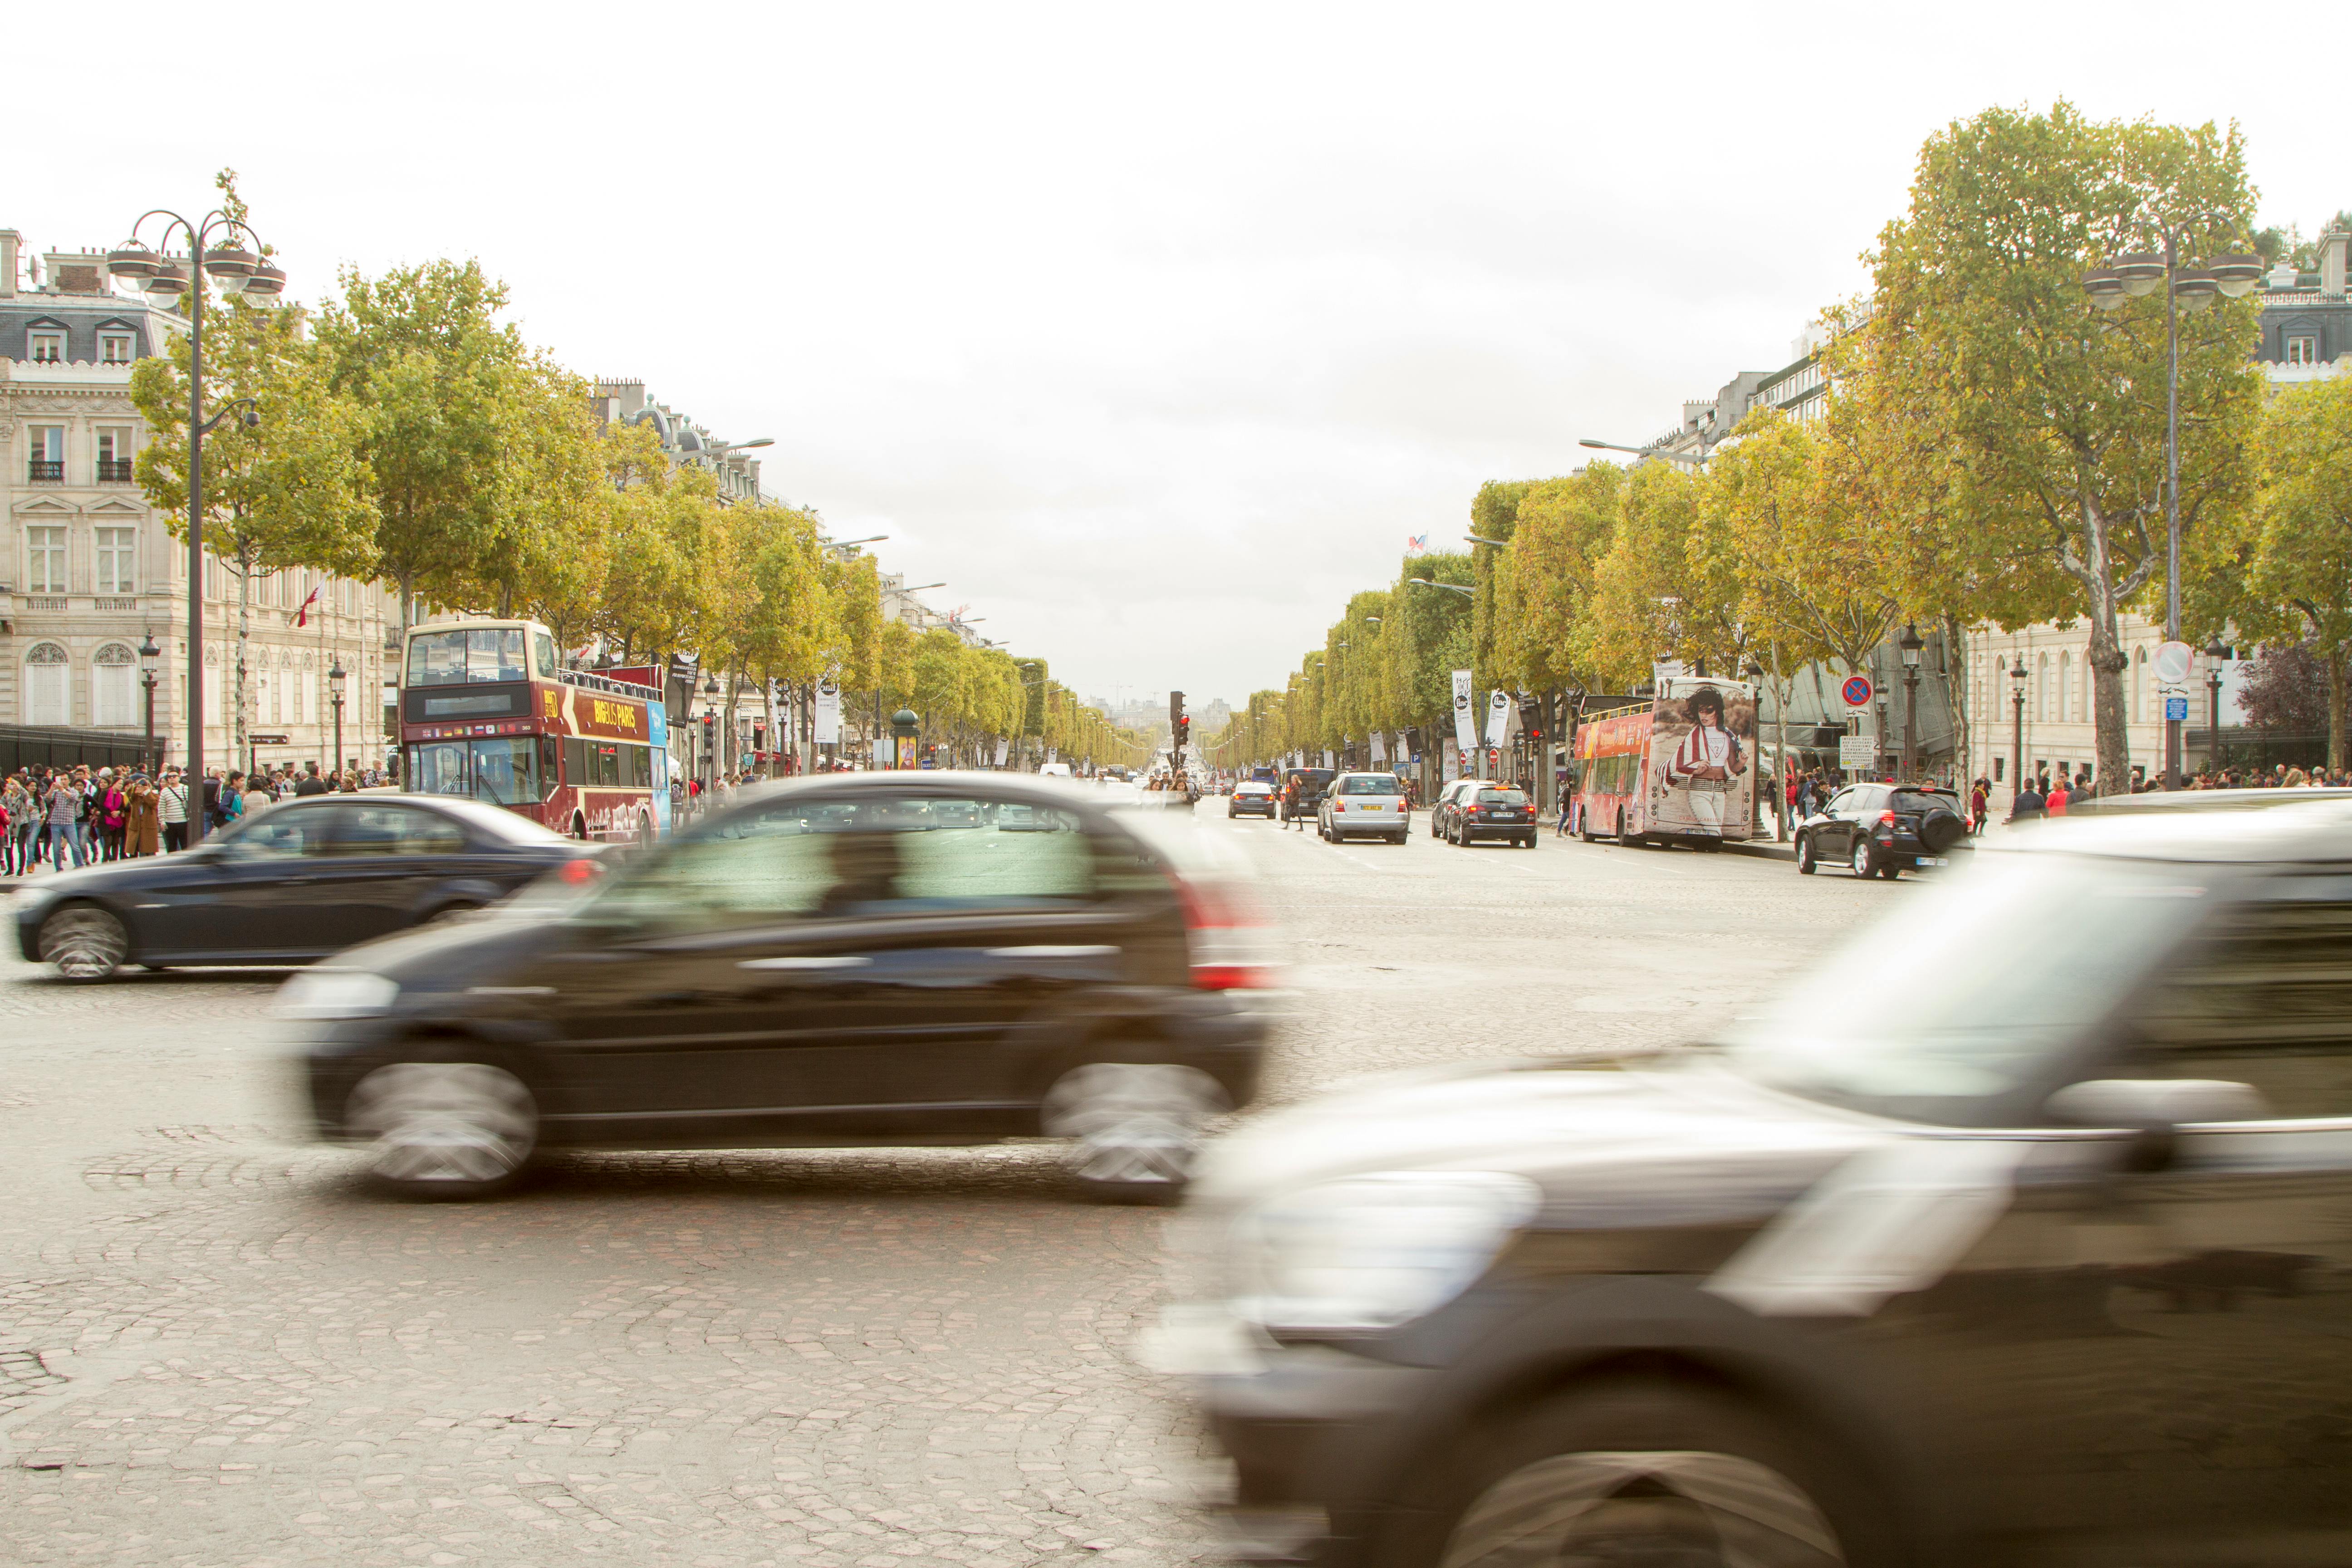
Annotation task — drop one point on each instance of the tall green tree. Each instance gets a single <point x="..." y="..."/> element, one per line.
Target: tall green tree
<point x="2056" y="409"/>
<point x="2300" y="584"/>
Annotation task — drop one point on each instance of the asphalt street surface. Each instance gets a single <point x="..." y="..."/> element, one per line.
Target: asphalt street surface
<point x="218" y="1347"/>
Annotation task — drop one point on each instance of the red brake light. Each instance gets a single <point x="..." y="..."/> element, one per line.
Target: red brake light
<point x="581" y="870"/>
<point x="1228" y="947"/>
<point x="1338" y="805"/>
<point x="1886" y="818"/>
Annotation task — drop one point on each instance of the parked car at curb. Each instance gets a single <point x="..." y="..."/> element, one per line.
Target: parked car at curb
<point x="1881" y="830"/>
<point x="860" y="960"/>
<point x="1364" y="806"/>
<point x="1969" y="1250"/>
<point x="290" y="885"/>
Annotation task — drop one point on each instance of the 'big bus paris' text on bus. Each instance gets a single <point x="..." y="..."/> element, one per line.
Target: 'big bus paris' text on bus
<point x="1680" y="767"/>
<point x="487" y="711"/>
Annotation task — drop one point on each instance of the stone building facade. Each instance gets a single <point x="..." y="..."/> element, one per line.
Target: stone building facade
<point x="88" y="571"/>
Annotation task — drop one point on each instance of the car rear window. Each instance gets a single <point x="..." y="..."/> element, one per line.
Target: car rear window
<point x="1922" y="800"/>
<point x="1502" y="797"/>
<point x="1369" y="784"/>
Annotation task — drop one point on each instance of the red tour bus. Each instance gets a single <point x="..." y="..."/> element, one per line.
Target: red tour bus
<point x="486" y="711"/>
<point x="1680" y="768"/>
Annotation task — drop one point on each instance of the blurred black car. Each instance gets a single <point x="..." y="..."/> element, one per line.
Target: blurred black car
<point x="860" y="960"/>
<point x="2031" y="1244"/>
<point x="1491" y="810"/>
<point x="1881" y="830"/>
<point x="291" y="884"/>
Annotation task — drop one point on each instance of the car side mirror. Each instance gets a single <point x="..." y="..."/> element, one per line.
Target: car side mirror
<point x="2153" y="1110"/>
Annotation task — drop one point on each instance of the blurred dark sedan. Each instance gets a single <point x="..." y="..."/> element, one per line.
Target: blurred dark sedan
<point x="2027" y="1243"/>
<point x="289" y="885"/>
<point x="882" y="958"/>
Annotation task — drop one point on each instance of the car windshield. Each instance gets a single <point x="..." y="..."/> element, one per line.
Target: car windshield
<point x="1369" y="784"/>
<point x="1942" y="1011"/>
<point x="1501" y="797"/>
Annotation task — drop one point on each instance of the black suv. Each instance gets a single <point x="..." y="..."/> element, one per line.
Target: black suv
<point x="2031" y="1244"/>
<point x="1491" y="810"/>
<point x="1312" y="783"/>
<point x="876" y="959"/>
<point x="1881" y="830"/>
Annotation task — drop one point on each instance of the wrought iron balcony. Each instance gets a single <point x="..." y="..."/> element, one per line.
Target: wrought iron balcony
<point x="43" y="473"/>
<point x="114" y="470"/>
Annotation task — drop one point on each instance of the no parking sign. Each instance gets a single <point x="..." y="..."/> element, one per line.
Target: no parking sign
<point x="1856" y="690"/>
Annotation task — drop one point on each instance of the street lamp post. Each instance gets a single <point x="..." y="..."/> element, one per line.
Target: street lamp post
<point x="239" y="270"/>
<point x="709" y="735"/>
<point x="150" y="658"/>
<point x="2136" y="275"/>
<point x="2215" y="652"/>
<point x="1693" y="460"/>
<point x="336" y="676"/>
<point x="2017" y="726"/>
<point x="1910" y="642"/>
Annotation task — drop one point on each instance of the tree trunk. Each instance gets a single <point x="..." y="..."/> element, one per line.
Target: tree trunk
<point x="1783" y="690"/>
<point x="1956" y="695"/>
<point x="2107" y="659"/>
<point x="2337" y="738"/>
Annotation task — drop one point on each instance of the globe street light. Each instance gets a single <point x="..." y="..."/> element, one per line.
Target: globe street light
<point x="150" y="658"/>
<point x="1910" y="643"/>
<point x="215" y="250"/>
<point x="336" y="676"/>
<point x="2216" y="652"/>
<point x="2017" y="731"/>
<point x="2135" y="276"/>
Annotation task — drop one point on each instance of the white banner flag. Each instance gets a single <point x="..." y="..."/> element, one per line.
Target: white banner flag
<point x="1498" y="717"/>
<point x="1003" y="751"/>
<point x="1465" y="717"/>
<point x="828" y="714"/>
<point x="1380" y="747"/>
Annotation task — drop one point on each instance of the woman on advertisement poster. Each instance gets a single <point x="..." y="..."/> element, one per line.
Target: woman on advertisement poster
<point x="1708" y="764"/>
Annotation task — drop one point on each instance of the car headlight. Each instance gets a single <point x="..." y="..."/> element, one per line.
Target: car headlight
<point x="334" y="994"/>
<point x="1370" y="1252"/>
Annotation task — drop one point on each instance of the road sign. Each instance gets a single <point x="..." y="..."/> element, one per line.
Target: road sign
<point x="268" y="739"/>
<point x="1858" y="751"/>
<point x="2176" y="710"/>
<point x="2172" y="661"/>
<point x="1856" y="692"/>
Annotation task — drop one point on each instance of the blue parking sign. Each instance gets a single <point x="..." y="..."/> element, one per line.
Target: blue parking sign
<point x="2176" y="710"/>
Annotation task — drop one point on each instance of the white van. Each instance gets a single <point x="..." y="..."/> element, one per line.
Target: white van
<point x="1055" y="771"/>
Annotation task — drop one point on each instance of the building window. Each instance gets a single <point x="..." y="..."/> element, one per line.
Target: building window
<point x="2302" y="350"/>
<point x="48" y="686"/>
<point x="48" y="346"/>
<point x="117" y="548"/>
<point x="114" y="456"/>
<point x="114" y="348"/>
<point x="44" y="549"/>
<point x="45" y="453"/>
<point x="112" y="669"/>
<point x="2066" y="687"/>
<point x="2042" y="688"/>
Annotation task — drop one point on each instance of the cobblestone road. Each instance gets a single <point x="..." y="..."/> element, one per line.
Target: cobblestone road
<point x="215" y="1348"/>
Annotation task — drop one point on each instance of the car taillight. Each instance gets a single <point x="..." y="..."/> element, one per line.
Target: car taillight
<point x="581" y="870"/>
<point x="1231" y="950"/>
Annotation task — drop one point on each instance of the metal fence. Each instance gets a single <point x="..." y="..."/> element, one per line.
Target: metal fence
<point x="31" y="745"/>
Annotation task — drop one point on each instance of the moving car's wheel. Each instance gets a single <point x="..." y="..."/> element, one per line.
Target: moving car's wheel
<point x="84" y="942"/>
<point x="445" y="1129"/>
<point x="1865" y="859"/>
<point x="1890" y="869"/>
<point x="1806" y="864"/>
<point x="1138" y="1126"/>
<point x="1655" y="1473"/>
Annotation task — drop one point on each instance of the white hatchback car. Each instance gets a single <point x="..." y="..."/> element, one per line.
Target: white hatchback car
<point x="1364" y="806"/>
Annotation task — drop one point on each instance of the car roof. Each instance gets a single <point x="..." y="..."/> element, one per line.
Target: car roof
<point x="2310" y="832"/>
<point x="493" y="821"/>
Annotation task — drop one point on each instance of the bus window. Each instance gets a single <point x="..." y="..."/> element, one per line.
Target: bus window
<point x="494" y="653"/>
<point x="464" y="655"/>
<point x="604" y="763"/>
<point x="437" y="768"/>
<point x="576" y="762"/>
<point x="550" y="767"/>
<point x="543" y="654"/>
<point x="502" y="771"/>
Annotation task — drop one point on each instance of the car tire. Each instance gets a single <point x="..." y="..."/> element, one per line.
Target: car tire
<point x="445" y="1130"/>
<point x="84" y="942"/>
<point x="1865" y="859"/>
<point x="1890" y="870"/>
<point x="1806" y="864"/>
<point x="1650" y="1470"/>
<point x="1138" y="1126"/>
<point x="1399" y="839"/>
<point x="578" y="826"/>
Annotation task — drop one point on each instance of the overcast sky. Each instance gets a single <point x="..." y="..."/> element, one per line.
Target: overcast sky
<point x="1153" y="333"/>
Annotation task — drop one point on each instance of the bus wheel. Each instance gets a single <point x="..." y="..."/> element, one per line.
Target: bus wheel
<point x="645" y="827"/>
<point x="578" y="826"/>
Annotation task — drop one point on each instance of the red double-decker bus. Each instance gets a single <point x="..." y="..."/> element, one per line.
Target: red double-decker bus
<point x="1679" y="768"/>
<point x="488" y="712"/>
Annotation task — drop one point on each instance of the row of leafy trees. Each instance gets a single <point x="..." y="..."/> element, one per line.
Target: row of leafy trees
<point x="408" y="435"/>
<point x="1992" y="451"/>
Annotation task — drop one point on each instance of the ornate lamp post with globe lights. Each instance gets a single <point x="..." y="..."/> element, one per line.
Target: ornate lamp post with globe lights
<point x="336" y="676"/>
<point x="2134" y="276"/>
<point x="231" y="255"/>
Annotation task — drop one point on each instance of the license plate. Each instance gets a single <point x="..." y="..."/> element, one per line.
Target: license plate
<point x="1934" y="860"/>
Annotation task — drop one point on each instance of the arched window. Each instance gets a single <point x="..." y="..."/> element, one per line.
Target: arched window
<point x="49" y="685"/>
<point x="2140" y="685"/>
<point x="2066" y="687"/>
<point x="2041" y="687"/>
<point x="112" y="690"/>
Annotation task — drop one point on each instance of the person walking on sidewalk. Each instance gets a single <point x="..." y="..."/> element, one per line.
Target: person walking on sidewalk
<point x="171" y="810"/>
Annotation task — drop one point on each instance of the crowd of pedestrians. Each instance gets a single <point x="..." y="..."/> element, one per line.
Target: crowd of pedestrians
<point x="63" y="817"/>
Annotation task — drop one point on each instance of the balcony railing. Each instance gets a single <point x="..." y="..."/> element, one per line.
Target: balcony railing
<point x="42" y="473"/>
<point x="114" y="470"/>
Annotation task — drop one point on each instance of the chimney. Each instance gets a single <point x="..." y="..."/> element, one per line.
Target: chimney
<point x="2333" y="245"/>
<point x="9" y="242"/>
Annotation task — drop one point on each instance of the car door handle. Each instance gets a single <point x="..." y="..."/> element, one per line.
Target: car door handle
<point x="1048" y="951"/>
<point x="844" y="961"/>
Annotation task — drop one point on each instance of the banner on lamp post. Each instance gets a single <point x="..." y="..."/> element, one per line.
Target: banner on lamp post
<point x="828" y="714"/>
<point x="1465" y="717"/>
<point x="1498" y="717"/>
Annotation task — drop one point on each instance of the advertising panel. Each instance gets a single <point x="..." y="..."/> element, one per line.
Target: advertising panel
<point x="1465" y="717"/>
<point x="828" y="714"/>
<point x="1702" y="758"/>
<point x="1498" y="718"/>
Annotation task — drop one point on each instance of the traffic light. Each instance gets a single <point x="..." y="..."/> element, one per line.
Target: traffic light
<point x="1175" y="708"/>
<point x="1183" y="729"/>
